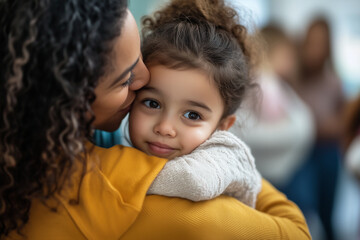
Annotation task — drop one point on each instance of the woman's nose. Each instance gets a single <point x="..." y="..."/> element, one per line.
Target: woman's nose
<point x="141" y="76"/>
<point x="165" y="128"/>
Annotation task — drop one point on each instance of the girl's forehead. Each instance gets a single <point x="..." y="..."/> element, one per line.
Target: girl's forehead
<point x="183" y="84"/>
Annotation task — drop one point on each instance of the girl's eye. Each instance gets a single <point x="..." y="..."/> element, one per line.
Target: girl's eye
<point x="192" y="116"/>
<point x="151" y="103"/>
<point x="129" y="81"/>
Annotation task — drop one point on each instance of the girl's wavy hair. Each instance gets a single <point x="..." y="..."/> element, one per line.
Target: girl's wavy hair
<point x="53" y="52"/>
<point x="207" y="35"/>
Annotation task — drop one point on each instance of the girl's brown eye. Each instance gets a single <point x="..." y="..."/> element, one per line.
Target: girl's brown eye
<point x="151" y="103"/>
<point x="192" y="115"/>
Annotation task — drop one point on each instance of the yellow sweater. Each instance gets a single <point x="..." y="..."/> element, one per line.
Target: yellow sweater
<point x="113" y="206"/>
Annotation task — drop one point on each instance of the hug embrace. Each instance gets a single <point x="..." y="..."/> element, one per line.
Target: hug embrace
<point x="72" y="66"/>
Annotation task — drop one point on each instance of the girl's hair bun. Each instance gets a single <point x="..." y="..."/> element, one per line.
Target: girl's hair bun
<point x="212" y="11"/>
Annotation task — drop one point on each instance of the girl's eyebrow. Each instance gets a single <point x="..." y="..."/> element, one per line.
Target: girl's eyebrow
<point x="199" y="104"/>
<point x="150" y="89"/>
<point x="123" y="74"/>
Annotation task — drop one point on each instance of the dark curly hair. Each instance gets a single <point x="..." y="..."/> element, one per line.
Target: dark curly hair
<point x="204" y="34"/>
<point x="52" y="54"/>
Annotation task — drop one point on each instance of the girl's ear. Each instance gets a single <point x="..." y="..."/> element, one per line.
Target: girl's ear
<point x="227" y="122"/>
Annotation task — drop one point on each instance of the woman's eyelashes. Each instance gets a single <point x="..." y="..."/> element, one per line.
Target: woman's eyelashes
<point x="129" y="81"/>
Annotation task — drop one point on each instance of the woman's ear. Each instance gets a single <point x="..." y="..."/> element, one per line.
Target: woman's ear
<point x="227" y="122"/>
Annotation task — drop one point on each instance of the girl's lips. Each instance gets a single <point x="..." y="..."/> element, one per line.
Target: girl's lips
<point x="159" y="149"/>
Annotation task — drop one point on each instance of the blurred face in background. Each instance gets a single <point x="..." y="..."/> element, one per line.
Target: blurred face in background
<point x="284" y="60"/>
<point x="317" y="46"/>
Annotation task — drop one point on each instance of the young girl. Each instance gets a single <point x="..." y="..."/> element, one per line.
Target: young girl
<point x="199" y="68"/>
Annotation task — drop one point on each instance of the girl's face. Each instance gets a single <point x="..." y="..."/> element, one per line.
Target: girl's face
<point x="176" y="112"/>
<point x="127" y="73"/>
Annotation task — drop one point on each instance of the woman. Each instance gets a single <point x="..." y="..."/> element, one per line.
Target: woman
<point x="321" y="89"/>
<point x="351" y="137"/>
<point x="67" y="68"/>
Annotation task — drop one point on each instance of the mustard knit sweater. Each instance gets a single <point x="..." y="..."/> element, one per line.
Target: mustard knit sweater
<point x="113" y="205"/>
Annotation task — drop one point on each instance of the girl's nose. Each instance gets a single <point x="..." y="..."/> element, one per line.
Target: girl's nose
<point x="165" y="128"/>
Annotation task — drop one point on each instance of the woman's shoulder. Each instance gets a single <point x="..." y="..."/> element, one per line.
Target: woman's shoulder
<point x="107" y="201"/>
<point x="126" y="169"/>
<point x="124" y="158"/>
<point x="220" y="218"/>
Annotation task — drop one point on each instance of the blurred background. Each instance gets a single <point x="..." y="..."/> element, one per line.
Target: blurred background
<point x="309" y="112"/>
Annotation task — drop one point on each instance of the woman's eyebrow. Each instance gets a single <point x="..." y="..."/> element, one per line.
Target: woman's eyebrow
<point x="122" y="75"/>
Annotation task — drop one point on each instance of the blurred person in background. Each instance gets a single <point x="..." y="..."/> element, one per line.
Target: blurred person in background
<point x="281" y="53"/>
<point x="351" y="146"/>
<point x="281" y="131"/>
<point x="320" y="87"/>
<point x="351" y="139"/>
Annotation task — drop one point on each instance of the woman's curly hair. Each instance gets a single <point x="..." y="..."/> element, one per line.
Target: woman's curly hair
<point x="53" y="53"/>
<point x="204" y="34"/>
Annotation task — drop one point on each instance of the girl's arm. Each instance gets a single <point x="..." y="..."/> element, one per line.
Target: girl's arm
<point x="221" y="165"/>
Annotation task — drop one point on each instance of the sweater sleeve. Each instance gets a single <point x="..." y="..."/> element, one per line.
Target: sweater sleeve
<point x="221" y="165"/>
<point x="275" y="217"/>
